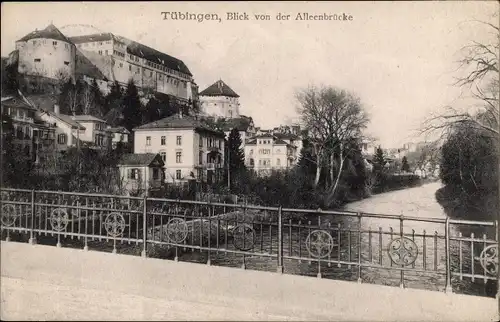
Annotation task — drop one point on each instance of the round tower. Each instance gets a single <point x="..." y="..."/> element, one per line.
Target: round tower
<point x="46" y="53"/>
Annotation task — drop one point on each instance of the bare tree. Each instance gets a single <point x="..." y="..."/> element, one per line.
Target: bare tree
<point x="333" y="118"/>
<point x="479" y="63"/>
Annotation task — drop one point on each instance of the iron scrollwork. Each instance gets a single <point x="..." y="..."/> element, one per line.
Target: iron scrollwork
<point x="319" y="244"/>
<point x="59" y="219"/>
<point x="177" y="230"/>
<point x="9" y="215"/>
<point x="114" y="224"/>
<point x="489" y="259"/>
<point x="243" y="237"/>
<point x="403" y="251"/>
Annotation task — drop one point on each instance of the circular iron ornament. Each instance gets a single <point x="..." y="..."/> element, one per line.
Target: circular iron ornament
<point x="177" y="230"/>
<point x="59" y="219"/>
<point x="489" y="259"/>
<point x="243" y="237"/>
<point x="114" y="224"/>
<point x="319" y="243"/>
<point x="9" y="215"/>
<point x="403" y="251"/>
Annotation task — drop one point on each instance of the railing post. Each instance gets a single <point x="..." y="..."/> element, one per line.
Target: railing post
<point x="32" y="239"/>
<point x="359" y="247"/>
<point x="498" y="270"/>
<point x="144" y="227"/>
<point x="280" y="240"/>
<point x="448" y="288"/>
<point x="401" y="234"/>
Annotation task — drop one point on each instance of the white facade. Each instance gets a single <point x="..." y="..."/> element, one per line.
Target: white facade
<point x="66" y="131"/>
<point x="47" y="57"/>
<point x="186" y="152"/>
<point x="266" y="153"/>
<point x="95" y="132"/>
<point x="140" y="178"/>
<point x="220" y="106"/>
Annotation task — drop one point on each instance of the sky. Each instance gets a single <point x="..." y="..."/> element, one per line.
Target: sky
<point x="398" y="57"/>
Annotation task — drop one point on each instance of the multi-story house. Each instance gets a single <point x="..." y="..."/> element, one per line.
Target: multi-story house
<point x="120" y="135"/>
<point x="68" y="132"/>
<point x="189" y="148"/>
<point x="31" y="136"/>
<point x="96" y="133"/>
<point x="121" y="59"/>
<point x="220" y="101"/>
<point x="141" y="172"/>
<point x="266" y="152"/>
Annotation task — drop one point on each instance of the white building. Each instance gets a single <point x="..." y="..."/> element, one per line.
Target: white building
<point x="121" y="59"/>
<point x="67" y="130"/>
<point x="189" y="149"/>
<point x="141" y="172"/>
<point x="46" y="53"/>
<point x="267" y="152"/>
<point x="96" y="133"/>
<point x="219" y="100"/>
<point x="120" y="135"/>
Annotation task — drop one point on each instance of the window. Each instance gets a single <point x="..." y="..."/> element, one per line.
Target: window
<point x="200" y="157"/>
<point x="61" y="138"/>
<point x="148" y="140"/>
<point x="251" y="151"/>
<point x="134" y="174"/>
<point x="278" y="162"/>
<point x="178" y="174"/>
<point x="151" y="74"/>
<point x="121" y="65"/>
<point x="54" y="43"/>
<point x="138" y="70"/>
<point x="66" y="46"/>
<point x="34" y="42"/>
<point x="66" y="63"/>
<point x="37" y="60"/>
<point x="156" y="173"/>
<point x="178" y="157"/>
<point x="130" y="68"/>
<point x="163" y="140"/>
<point x="252" y="162"/>
<point x="179" y="140"/>
<point x="201" y="142"/>
<point x="100" y="52"/>
<point x="100" y="43"/>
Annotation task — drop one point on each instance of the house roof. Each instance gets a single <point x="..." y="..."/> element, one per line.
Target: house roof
<point x="178" y="121"/>
<point x="139" y="50"/>
<point x="66" y="119"/>
<point x="142" y="159"/>
<point x="86" y="118"/>
<point x="119" y="129"/>
<point x="219" y="88"/>
<point x="286" y="136"/>
<point x="50" y="32"/>
<point x="16" y="101"/>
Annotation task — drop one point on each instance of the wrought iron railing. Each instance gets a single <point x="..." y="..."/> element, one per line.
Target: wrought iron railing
<point x="281" y="239"/>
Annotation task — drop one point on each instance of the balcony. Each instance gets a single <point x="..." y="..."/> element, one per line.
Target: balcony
<point x="22" y="119"/>
<point x="210" y="166"/>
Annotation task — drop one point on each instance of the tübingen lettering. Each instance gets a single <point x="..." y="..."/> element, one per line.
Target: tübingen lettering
<point x="200" y="17"/>
<point x="324" y="16"/>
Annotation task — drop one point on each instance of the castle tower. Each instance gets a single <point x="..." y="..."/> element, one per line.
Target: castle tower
<point x="46" y="53"/>
<point x="219" y="100"/>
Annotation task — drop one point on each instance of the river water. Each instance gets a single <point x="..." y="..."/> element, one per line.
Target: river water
<point x="427" y="272"/>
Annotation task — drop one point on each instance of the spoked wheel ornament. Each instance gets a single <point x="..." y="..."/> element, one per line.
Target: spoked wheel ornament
<point x="243" y="237"/>
<point x="59" y="219"/>
<point x="9" y="215"/>
<point x="177" y="230"/>
<point x="319" y="243"/>
<point x="489" y="259"/>
<point x="114" y="224"/>
<point x="403" y="251"/>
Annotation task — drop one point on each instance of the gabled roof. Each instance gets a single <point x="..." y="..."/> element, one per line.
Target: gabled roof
<point x="66" y="119"/>
<point x="16" y="101"/>
<point x="139" y="50"/>
<point x="86" y="118"/>
<point x="285" y="136"/>
<point x="142" y="159"/>
<point x="178" y="121"/>
<point x="119" y="129"/>
<point x="50" y="32"/>
<point x="219" y="88"/>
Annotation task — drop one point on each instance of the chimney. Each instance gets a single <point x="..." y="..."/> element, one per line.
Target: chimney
<point x="56" y="109"/>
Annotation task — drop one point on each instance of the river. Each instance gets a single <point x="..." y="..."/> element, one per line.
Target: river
<point x="415" y="202"/>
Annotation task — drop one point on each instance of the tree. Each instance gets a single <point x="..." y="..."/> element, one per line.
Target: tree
<point x="405" y="167"/>
<point x="131" y="107"/>
<point x="113" y="101"/>
<point x="307" y="160"/>
<point x="379" y="161"/>
<point x="235" y="157"/>
<point x="332" y="118"/>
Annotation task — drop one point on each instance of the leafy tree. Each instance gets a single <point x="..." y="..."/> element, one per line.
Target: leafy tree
<point x="405" y="167"/>
<point x="131" y="107"/>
